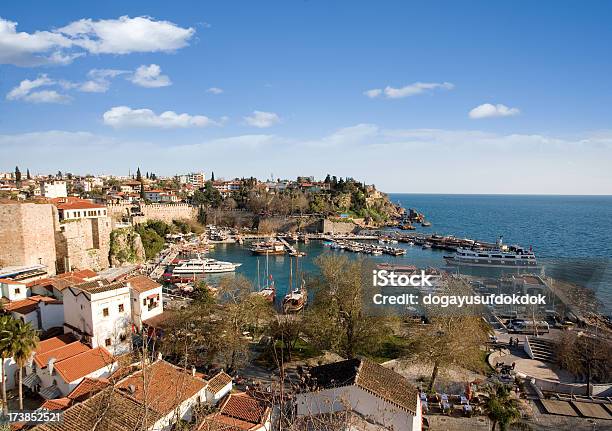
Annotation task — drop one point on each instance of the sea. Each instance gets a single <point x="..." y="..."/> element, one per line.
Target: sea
<point x="570" y="235"/>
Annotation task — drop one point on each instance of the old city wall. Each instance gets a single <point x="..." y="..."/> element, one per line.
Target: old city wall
<point x="164" y="212"/>
<point x="27" y="232"/>
<point x="83" y="244"/>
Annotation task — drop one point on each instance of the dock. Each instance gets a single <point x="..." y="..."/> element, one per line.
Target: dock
<point x="160" y="267"/>
<point x="288" y="246"/>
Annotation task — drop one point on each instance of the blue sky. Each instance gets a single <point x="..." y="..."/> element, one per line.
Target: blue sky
<point x="469" y="97"/>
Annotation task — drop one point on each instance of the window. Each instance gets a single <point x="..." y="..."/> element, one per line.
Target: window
<point x="144" y="301"/>
<point x="105" y="312"/>
<point x="120" y="308"/>
<point x="123" y="337"/>
<point x="107" y="342"/>
<point x="17" y="291"/>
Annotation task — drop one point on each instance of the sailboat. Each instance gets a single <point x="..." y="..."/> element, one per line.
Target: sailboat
<point x="269" y="291"/>
<point x="294" y="301"/>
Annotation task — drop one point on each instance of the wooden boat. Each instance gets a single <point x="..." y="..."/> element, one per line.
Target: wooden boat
<point x="268" y="247"/>
<point x="295" y="301"/>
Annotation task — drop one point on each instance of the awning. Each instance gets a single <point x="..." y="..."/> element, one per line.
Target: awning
<point x="31" y="381"/>
<point x="50" y="392"/>
<point x="152" y="296"/>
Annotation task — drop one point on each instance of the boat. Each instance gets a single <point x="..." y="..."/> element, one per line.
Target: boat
<point x="410" y="269"/>
<point x="501" y="256"/>
<point x="426" y="246"/>
<point x="268" y="293"/>
<point x="204" y="266"/>
<point x="294" y="302"/>
<point x="425" y="223"/>
<point x="407" y="226"/>
<point x="268" y="247"/>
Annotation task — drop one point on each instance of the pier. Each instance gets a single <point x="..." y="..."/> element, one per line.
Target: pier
<point x="158" y="270"/>
<point x="288" y="246"/>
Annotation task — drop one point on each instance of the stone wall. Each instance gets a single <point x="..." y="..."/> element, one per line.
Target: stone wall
<point x="164" y="212"/>
<point x="27" y="235"/>
<point x="31" y="234"/>
<point x="329" y="226"/>
<point x="83" y="244"/>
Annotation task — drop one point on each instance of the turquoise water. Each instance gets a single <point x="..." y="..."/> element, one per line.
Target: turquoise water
<point x="571" y="236"/>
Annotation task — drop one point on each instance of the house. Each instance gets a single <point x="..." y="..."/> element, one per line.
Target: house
<point x="84" y="390"/>
<point x="72" y="208"/>
<point x="99" y="313"/>
<point x="168" y="390"/>
<point x="364" y="387"/>
<point x="219" y="386"/>
<point x="54" y="189"/>
<point x="152" y="401"/>
<point x="146" y="299"/>
<point x="54" y="286"/>
<point x="42" y="312"/>
<point x="239" y="411"/>
<point x="61" y="363"/>
<point x="154" y="195"/>
<point x="13" y="290"/>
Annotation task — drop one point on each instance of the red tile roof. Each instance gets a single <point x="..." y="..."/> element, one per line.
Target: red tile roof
<point x="142" y="283"/>
<point x="56" y="404"/>
<point x="73" y="203"/>
<point x="53" y="343"/>
<point x="85" y="363"/>
<point x="60" y="353"/>
<point x="218" y="382"/>
<point x="244" y="407"/>
<point x="28" y="305"/>
<point x="87" y="388"/>
<point x="166" y="386"/>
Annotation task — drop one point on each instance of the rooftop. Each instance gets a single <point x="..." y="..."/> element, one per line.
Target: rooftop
<point x="87" y="388"/>
<point x="218" y="382"/>
<point x="84" y="363"/>
<point x="142" y="283"/>
<point x="28" y="305"/>
<point x="163" y="385"/>
<point x="369" y="376"/>
<point x="60" y="353"/>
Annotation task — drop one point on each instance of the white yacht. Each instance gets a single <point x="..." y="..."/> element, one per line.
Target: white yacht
<point x="204" y="266"/>
<point x="501" y="256"/>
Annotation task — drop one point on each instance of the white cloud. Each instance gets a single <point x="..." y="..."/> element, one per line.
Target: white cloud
<point x="26" y="91"/>
<point x="150" y="76"/>
<point x="215" y="90"/>
<point x="373" y="93"/>
<point x="487" y="110"/>
<point x="262" y="119"/>
<point x="31" y="49"/>
<point x="408" y="90"/>
<point x="124" y="35"/>
<point x="124" y="116"/>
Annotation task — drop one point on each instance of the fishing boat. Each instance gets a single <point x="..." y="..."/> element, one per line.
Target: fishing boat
<point x="203" y="266"/>
<point x="268" y="247"/>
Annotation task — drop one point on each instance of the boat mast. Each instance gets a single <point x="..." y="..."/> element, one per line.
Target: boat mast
<point x="258" y="279"/>
<point x="291" y="274"/>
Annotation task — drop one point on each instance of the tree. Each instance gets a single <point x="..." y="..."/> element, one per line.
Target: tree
<point x="28" y="177"/>
<point x="17" y="174"/>
<point x="23" y="343"/>
<point x="502" y="407"/>
<point x="585" y="354"/>
<point x="337" y="319"/>
<point x="452" y="338"/>
<point x="138" y="175"/>
<point x="142" y="190"/>
<point x="212" y="176"/>
<point x="7" y="324"/>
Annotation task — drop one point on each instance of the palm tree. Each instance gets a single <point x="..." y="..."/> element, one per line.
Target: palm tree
<point x="24" y="341"/>
<point x="502" y="408"/>
<point x="6" y="333"/>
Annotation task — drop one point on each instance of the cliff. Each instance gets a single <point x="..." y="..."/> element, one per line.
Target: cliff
<point x="126" y="247"/>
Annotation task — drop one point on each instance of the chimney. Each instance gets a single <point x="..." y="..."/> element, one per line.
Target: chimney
<point x="50" y="365"/>
<point x="193" y="371"/>
<point x="132" y="389"/>
<point x="159" y="356"/>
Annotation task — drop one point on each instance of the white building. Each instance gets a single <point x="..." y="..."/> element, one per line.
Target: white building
<point x="61" y="363"/>
<point x="218" y="387"/>
<point x="99" y="313"/>
<point x="42" y="312"/>
<point x="13" y="290"/>
<point x="362" y="386"/>
<point x="146" y="299"/>
<point x="71" y="208"/>
<point x="197" y="179"/>
<point x="54" y="189"/>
